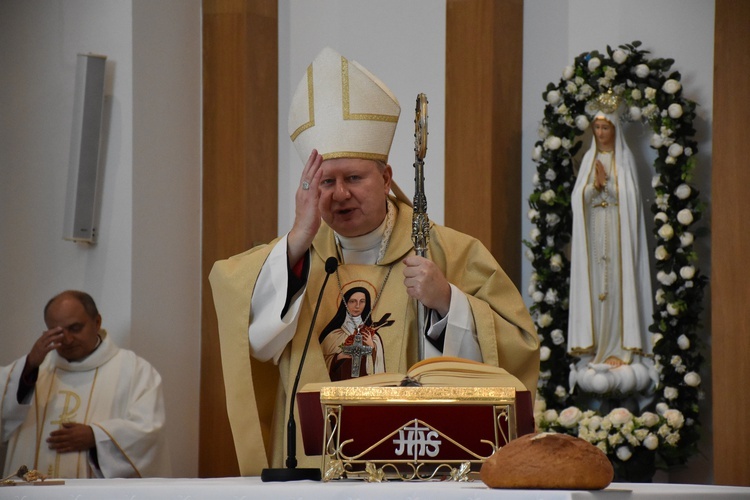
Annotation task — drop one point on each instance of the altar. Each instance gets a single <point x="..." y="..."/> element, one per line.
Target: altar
<point x="248" y="488"/>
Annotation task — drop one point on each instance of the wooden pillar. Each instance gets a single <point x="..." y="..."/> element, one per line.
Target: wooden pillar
<point x="484" y="61"/>
<point x="240" y="176"/>
<point x="730" y="245"/>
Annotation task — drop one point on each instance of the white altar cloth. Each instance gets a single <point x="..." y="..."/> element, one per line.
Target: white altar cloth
<point x="249" y="488"/>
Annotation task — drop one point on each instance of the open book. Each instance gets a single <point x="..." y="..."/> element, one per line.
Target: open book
<point x="433" y="372"/>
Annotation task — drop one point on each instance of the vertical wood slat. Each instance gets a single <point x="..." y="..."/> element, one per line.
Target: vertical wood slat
<point x="730" y="245"/>
<point x="240" y="176"/>
<point x="484" y="58"/>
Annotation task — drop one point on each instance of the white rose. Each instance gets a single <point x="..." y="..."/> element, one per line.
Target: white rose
<point x="649" y="419"/>
<point x="642" y="71"/>
<point x="532" y="214"/>
<point x="674" y="110"/>
<point x="675" y="150"/>
<point x="551" y="296"/>
<point x="552" y="219"/>
<point x="651" y="442"/>
<point x="683" y="342"/>
<point x="685" y="216"/>
<point x="550" y="416"/>
<point x="537" y="153"/>
<point x="535" y="179"/>
<point x="659" y="296"/>
<point x="671" y="393"/>
<point x="650" y="93"/>
<point x="674" y="418"/>
<point x="529" y="254"/>
<point x="686" y="239"/>
<point x="635" y="113"/>
<point x="537" y="296"/>
<point x="560" y="392"/>
<point x="624" y="453"/>
<point x="548" y="196"/>
<point x="544" y="320"/>
<point x="687" y="272"/>
<point x="692" y="379"/>
<point x="672" y="438"/>
<point x="661" y="217"/>
<point x="620" y="416"/>
<point x="582" y="122"/>
<point x="562" y="109"/>
<point x="666" y="279"/>
<point x="683" y="190"/>
<point x="619" y="56"/>
<point x="610" y="73"/>
<point x="661" y="408"/>
<point x="544" y="353"/>
<point x="534" y="234"/>
<point x="555" y="263"/>
<point x="550" y="175"/>
<point x="656" y="181"/>
<point x="661" y="253"/>
<point x="553" y="97"/>
<point x="671" y="86"/>
<point x="666" y="232"/>
<point x="636" y="94"/>
<point x="557" y="336"/>
<point x="552" y="143"/>
<point x="594" y="63"/>
<point x="688" y="152"/>
<point x="568" y="72"/>
<point x="656" y="141"/>
<point x="571" y="88"/>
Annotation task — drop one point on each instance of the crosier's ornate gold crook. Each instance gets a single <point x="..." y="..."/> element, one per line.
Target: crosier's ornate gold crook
<point x="420" y="231"/>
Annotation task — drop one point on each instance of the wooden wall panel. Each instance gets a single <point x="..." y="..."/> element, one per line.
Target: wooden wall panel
<point x="240" y="176"/>
<point x="730" y="245"/>
<point x="484" y="39"/>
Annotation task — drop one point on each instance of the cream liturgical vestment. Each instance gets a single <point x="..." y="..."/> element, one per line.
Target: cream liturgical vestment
<point x="114" y="391"/>
<point x="258" y="392"/>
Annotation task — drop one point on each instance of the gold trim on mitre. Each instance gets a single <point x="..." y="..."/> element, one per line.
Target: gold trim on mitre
<point x="342" y="110"/>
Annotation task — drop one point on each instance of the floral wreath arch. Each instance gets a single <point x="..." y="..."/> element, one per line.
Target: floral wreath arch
<point x="667" y="435"/>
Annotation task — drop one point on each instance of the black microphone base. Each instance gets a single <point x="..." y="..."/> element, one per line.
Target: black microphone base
<point x="271" y="475"/>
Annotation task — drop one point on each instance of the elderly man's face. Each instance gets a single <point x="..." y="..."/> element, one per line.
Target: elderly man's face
<point x="353" y="194"/>
<point x="80" y="331"/>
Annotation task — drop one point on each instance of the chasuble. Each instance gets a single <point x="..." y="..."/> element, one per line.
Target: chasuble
<point x="113" y="390"/>
<point x="258" y="393"/>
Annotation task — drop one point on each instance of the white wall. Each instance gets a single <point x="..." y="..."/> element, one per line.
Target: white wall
<point x="144" y="272"/>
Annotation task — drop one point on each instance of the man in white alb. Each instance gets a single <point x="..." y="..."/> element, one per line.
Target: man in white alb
<point x="78" y="406"/>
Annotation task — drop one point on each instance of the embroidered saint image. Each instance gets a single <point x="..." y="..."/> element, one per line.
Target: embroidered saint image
<point x="351" y="344"/>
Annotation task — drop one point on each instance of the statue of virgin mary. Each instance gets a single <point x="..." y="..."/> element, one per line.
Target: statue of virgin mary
<point x="610" y="282"/>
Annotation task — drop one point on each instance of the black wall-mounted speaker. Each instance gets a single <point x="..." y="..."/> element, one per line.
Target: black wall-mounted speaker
<point x="83" y="196"/>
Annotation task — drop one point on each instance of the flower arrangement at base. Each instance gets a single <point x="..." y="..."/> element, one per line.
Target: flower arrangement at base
<point x="653" y="97"/>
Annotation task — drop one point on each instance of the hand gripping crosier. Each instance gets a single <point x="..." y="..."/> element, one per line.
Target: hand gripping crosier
<point x="420" y="226"/>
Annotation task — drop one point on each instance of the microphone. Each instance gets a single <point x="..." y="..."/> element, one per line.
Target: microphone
<point x="291" y="472"/>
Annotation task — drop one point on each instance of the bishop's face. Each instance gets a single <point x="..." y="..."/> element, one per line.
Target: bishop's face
<point x="352" y="195"/>
<point x="80" y="331"/>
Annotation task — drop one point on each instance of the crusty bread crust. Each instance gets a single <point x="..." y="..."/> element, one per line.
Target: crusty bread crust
<point x="548" y="461"/>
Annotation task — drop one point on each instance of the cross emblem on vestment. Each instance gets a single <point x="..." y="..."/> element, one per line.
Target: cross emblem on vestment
<point x="357" y="351"/>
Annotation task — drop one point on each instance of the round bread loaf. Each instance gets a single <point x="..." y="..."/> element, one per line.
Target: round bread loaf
<point x="548" y="461"/>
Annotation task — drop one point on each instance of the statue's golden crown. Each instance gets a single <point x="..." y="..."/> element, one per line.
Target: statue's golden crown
<point x="607" y="102"/>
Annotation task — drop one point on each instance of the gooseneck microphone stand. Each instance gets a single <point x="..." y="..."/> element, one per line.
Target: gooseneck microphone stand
<point x="291" y="472"/>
